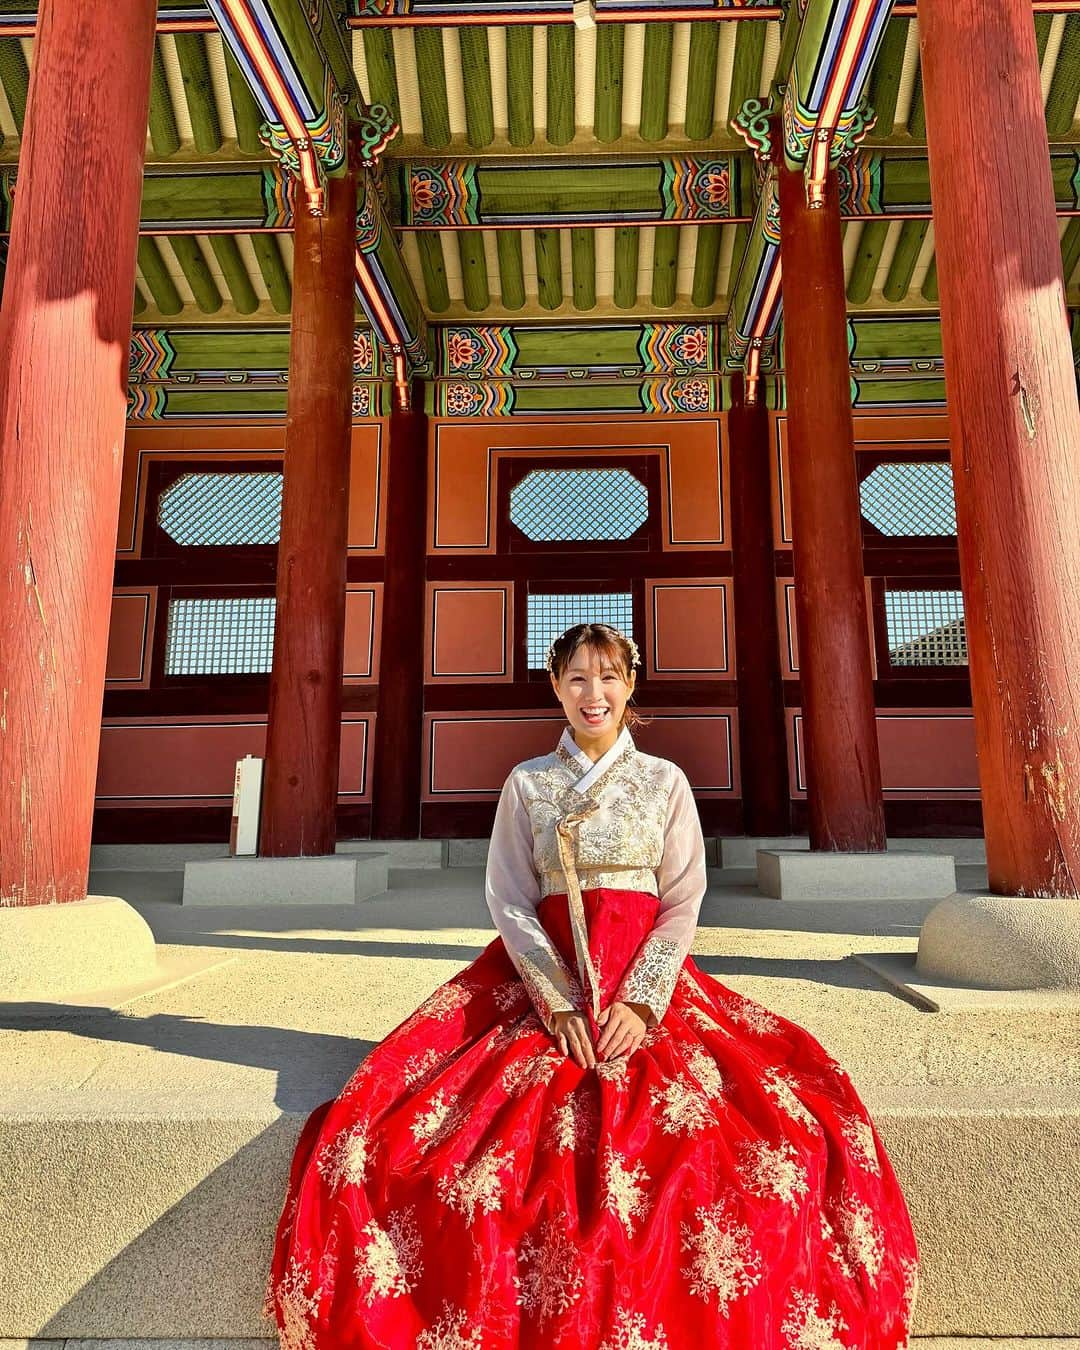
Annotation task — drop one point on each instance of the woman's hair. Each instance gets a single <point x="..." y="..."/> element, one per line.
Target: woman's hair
<point x="609" y="644"/>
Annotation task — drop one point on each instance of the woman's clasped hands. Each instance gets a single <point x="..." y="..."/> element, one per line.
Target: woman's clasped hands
<point x="623" y="1027"/>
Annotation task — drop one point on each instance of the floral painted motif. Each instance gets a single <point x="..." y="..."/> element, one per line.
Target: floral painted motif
<point x="478" y="1186"/>
<point x="681" y="1107"/>
<point x="774" y="1171"/>
<point x="345" y="1159"/>
<point x="550" y="1275"/>
<point x="451" y="1332"/>
<point x="723" y="1263"/>
<point x="625" y="1194"/>
<point x="630" y="1333"/>
<point x="807" y="1328"/>
<point x="389" y="1263"/>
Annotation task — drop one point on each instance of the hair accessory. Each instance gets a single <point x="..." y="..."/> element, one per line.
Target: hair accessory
<point x="635" y="655"/>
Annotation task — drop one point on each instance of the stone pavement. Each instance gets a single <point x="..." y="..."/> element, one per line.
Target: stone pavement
<point x="150" y="1143"/>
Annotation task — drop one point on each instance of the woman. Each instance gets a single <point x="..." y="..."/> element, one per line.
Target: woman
<point x="582" y="1139"/>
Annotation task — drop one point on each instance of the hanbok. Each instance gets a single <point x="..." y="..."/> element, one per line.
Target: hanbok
<point x="471" y="1186"/>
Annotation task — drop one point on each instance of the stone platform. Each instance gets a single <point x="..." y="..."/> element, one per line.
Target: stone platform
<point x="143" y="1150"/>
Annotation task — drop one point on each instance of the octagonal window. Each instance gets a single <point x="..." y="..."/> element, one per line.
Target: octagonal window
<point x="909" y="499"/>
<point x="221" y="509"/>
<point x="579" y="504"/>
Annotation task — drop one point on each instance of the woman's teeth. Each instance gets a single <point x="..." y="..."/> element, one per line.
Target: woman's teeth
<point x="597" y="716"/>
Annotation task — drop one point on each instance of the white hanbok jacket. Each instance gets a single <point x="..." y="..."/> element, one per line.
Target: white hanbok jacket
<point x="564" y="824"/>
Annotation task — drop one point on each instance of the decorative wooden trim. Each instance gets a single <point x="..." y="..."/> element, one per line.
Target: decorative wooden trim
<point x="654" y="588"/>
<point x="505" y="673"/>
<point x="149" y="597"/>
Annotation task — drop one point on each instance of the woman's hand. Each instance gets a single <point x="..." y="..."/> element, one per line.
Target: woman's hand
<point x="625" y="1025"/>
<point x="571" y="1032"/>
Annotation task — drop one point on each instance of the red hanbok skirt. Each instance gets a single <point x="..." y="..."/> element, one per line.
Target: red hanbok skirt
<point x="471" y="1187"/>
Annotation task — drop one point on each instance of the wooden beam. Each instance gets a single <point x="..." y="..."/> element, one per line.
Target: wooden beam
<point x="431" y="82"/>
<point x="433" y="269"/>
<point x="706" y="265"/>
<point x="1015" y="425"/>
<point x="766" y="800"/>
<point x="244" y="299"/>
<point x="583" y="258"/>
<point x="519" y="85"/>
<point x="511" y="269"/>
<point x="701" y="80"/>
<point x="560" y="85"/>
<point x="917" y="114"/>
<point x="202" y="109"/>
<point x="867" y="261"/>
<point x="474" y="278"/>
<point x="15" y="75"/>
<point x="140" y="305"/>
<point x="607" y="108"/>
<point x="157" y="278"/>
<point x="627" y="242"/>
<point x="272" y="267"/>
<point x="163" y="129"/>
<point x="1065" y="85"/>
<point x="665" y="265"/>
<point x="902" y="267"/>
<point x="549" y="280"/>
<point x="298" y="812"/>
<point x="888" y="70"/>
<point x="846" y="812"/>
<point x="198" y="275"/>
<point x="395" y="808"/>
<point x="656" y="81"/>
<point x="246" y="112"/>
<point x="1070" y="249"/>
<point x="381" y="66"/>
<point x="746" y="71"/>
<point x="476" y="82"/>
<point x="65" y="322"/>
<point x="930" y="284"/>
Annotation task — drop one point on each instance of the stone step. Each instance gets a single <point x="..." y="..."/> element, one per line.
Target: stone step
<point x="103" y="1194"/>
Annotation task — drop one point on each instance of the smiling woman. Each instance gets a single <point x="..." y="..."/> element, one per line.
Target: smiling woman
<point x="583" y="1138"/>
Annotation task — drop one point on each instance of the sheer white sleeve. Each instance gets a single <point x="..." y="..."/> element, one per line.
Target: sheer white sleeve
<point x="681" y="881"/>
<point x="512" y="890"/>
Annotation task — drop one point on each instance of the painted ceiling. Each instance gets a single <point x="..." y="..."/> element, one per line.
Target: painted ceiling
<point x="585" y="177"/>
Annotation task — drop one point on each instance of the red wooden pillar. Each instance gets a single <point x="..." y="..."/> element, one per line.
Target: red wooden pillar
<point x="1015" y="431"/>
<point x="398" y="724"/>
<point x="303" y="734"/>
<point x="763" y="760"/>
<point x="65" y="329"/>
<point x="839" y="729"/>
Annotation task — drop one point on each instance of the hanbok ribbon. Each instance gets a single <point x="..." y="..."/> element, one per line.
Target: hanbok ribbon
<point x="564" y="831"/>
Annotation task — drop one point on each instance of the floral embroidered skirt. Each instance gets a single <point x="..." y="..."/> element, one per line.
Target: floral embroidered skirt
<point x="470" y="1187"/>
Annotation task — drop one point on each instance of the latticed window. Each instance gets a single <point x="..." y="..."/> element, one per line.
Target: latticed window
<point x="222" y="509"/>
<point x="909" y="499"/>
<point x="579" y="504"/>
<point x="550" y="615"/>
<point x="227" y="636"/>
<point x="926" y="628"/>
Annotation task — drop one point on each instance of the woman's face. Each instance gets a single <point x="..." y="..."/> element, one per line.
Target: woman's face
<point x="593" y="694"/>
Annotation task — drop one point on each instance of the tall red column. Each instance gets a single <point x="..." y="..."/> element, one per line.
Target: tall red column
<point x="65" y="330"/>
<point x="303" y="734"/>
<point x="1015" y="431"/>
<point x="398" y="724"/>
<point x="839" y="730"/>
<point x="763" y="761"/>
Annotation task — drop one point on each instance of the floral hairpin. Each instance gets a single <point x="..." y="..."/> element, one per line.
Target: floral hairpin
<point x="635" y="655"/>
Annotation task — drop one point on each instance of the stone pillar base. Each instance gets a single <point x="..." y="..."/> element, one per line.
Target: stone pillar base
<point x="325" y="879"/>
<point x="52" y="952"/>
<point x="1003" y="942"/>
<point x="802" y="875"/>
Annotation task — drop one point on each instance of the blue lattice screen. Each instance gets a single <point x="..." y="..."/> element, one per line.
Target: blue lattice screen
<point x="579" y="504"/>
<point x="222" y="509"/>
<point x="909" y="499"/>
<point x="926" y="628"/>
<point x="550" y="615"/>
<point x="221" y="636"/>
